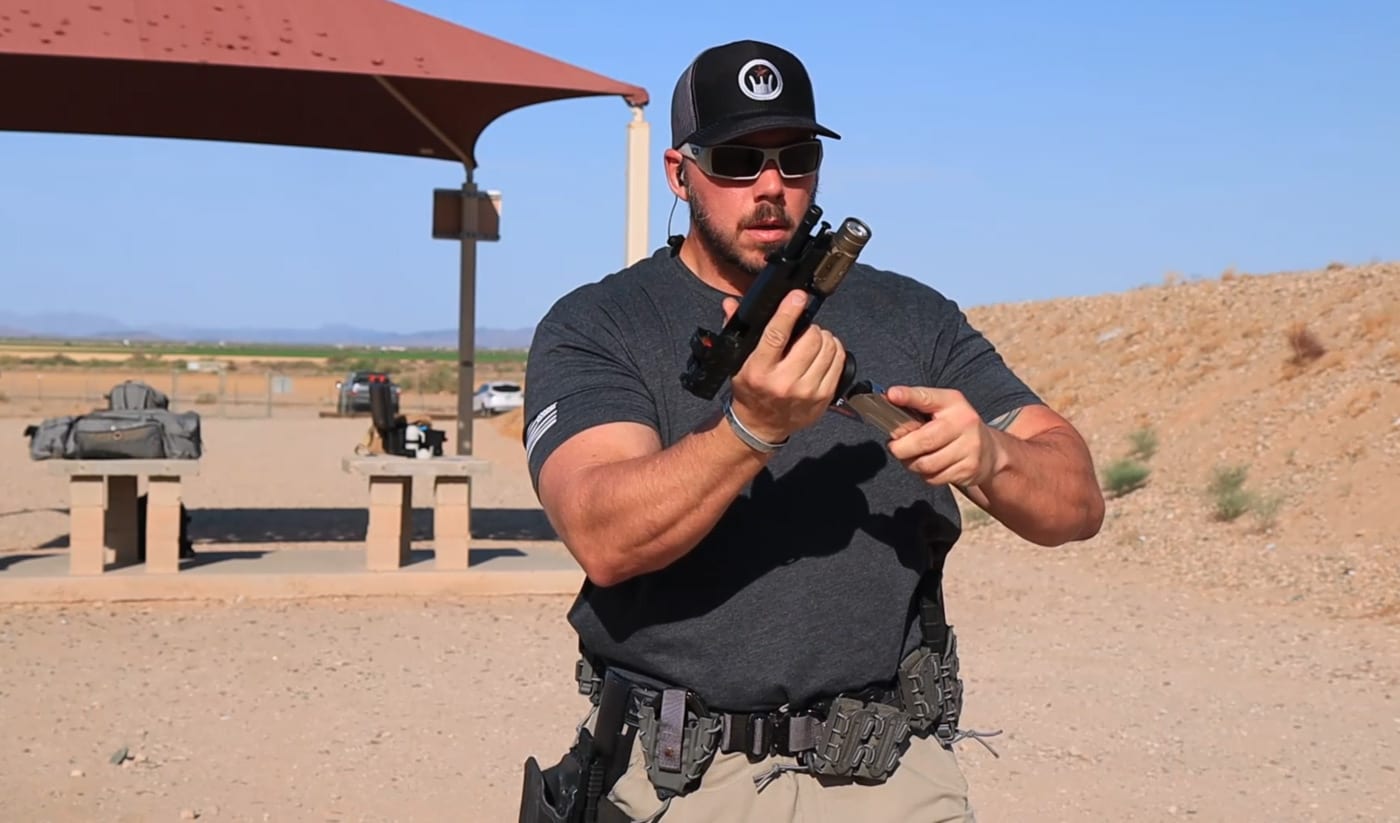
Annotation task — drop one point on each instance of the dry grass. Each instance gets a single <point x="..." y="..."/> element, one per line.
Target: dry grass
<point x="1304" y="344"/>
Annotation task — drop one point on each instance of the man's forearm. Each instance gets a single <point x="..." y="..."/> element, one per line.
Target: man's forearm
<point x="1046" y="492"/>
<point x="635" y="516"/>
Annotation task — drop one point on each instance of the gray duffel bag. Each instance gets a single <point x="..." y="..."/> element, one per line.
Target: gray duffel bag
<point x="134" y="434"/>
<point x="134" y="394"/>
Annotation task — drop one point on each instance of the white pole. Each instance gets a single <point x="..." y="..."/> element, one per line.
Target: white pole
<point x="638" y="138"/>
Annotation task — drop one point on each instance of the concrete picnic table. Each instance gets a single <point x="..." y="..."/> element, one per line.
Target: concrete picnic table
<point x="391" y="506"/>
<point x="103" y="514"/>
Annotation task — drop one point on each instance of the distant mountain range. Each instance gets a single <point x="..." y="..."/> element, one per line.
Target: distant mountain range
<point x="98" y="327"/>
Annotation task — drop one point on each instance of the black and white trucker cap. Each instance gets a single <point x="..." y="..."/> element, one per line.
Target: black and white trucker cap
<point x="739" y="88"/>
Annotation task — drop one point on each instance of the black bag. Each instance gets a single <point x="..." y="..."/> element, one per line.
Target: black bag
<point x="398" y="436"/>
<point x="384" y="416"/>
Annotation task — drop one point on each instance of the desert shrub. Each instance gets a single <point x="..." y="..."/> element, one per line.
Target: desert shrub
<point x="1227" y="493"/>
<point x="1266" y="509"/>
<point x="442" y="381"/>
<point x="1144" y="443"/>
<point x="1124" y="475"/>
<point x="434" y="379"/>
<point x="1305" y="345"/>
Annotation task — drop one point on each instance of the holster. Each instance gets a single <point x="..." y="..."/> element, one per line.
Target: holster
<point x="574" y="790"/>
<point x="554" y="795"/>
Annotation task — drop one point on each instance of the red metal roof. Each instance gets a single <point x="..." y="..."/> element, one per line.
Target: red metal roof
<point x="343" y="74"/>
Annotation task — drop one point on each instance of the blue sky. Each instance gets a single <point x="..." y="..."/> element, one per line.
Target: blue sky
<point x="1000" y="152"/>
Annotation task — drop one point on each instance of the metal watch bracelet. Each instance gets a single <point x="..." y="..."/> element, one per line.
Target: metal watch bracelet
<point x="749" y="438"/>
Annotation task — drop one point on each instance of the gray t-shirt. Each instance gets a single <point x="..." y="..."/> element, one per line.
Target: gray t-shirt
<point x="806" y="586"/>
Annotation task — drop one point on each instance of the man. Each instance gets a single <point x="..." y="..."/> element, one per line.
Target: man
<point x="754" y="562"/>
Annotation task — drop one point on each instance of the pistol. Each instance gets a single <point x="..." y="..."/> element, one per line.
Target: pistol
<point x="817" y="263"/>
<point x="814" y="262"/>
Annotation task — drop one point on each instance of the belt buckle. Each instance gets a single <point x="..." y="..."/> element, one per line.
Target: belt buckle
<point x="769" y="733"/>
<point x="760" y="733"/>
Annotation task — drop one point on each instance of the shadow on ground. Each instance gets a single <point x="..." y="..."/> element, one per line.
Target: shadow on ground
<point x="235" y="526"/>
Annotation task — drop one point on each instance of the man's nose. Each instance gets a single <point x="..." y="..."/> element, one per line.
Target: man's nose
<point x="769" y="182"/>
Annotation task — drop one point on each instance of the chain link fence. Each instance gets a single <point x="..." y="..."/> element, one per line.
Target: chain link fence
<point x="217" y="393"/>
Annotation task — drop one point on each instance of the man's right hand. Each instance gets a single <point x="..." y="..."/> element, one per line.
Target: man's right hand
<point x="781" y="389"/>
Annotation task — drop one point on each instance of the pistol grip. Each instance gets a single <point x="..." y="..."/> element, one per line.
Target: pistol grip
<point x="848" y="376"/>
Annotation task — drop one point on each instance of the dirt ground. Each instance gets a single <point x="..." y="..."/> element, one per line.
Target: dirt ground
<point x="1121" y="694"/>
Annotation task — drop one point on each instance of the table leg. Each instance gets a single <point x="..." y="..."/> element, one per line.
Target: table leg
<point x="452" y="532"/>
<point x="163" y="525"/>
<point x="121" y="520"/>
<point x="390" y="523"/>
<point x="87" y="499"/>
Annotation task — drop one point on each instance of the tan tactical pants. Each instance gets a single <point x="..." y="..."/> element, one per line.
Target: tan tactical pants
<point x="927" y="787"/>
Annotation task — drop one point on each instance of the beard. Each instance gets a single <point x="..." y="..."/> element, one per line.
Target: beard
<point x="725" y="243"/>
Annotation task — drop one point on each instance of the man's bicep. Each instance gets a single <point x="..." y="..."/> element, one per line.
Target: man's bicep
<point x="580" y="377"/>
<point x="598" y="445"/>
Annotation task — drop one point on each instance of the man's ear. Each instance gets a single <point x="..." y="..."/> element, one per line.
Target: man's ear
<point x="675" y="174"/>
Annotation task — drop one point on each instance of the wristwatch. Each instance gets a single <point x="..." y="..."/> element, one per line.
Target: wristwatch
<point x="749" y="438"/>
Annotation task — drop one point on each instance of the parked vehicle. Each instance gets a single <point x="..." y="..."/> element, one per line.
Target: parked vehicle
<point x="352" y="393"/>
<point x="496" y="397"/>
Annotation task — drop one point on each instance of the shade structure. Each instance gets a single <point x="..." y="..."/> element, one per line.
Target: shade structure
<point x="361" y="75"/>
<point x="357" y="75"/>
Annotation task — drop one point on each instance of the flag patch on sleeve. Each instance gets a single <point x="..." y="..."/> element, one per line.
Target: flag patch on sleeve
<point x="542" y="423"/>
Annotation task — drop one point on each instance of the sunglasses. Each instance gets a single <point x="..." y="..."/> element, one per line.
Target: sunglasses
<point x="732" y="162"/>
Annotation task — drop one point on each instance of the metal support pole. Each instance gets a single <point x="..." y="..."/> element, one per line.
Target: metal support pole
<point x="466" y="319"/>
<point x="638" y="136"/>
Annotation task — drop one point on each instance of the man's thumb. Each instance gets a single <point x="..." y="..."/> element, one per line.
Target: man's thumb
<point x="917" y="397"/>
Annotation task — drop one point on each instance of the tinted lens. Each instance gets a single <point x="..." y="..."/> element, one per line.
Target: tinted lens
<point x="735" y="161"/>
<point x="800" y="160"/>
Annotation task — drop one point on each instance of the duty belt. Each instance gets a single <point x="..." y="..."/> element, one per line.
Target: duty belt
<point x="852" y="735"/>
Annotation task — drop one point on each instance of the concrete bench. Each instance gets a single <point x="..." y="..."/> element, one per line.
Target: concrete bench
<point x="102" y="512"/>
<point x="391" y="507"/>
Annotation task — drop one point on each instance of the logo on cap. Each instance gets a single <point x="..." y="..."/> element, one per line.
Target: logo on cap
<point x="760" y="80"/>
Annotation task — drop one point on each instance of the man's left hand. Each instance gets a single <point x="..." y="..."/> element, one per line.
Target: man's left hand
<point x="955" y="447"/>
